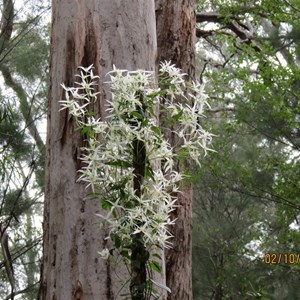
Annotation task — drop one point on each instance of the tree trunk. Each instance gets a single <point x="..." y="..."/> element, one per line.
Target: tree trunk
<point x="176" y="33"/>
<point x="102" y="33"/>
<point x="176" y="36"/>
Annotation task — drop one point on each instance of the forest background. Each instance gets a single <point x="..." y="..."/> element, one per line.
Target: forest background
<point x="246" y="194"/>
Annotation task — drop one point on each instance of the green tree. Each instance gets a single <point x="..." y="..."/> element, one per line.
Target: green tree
<point x="247" y="200"/>
<point x="23" y="70"/>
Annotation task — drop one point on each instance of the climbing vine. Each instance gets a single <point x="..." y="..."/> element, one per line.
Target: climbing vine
<point x="128" y="162"/>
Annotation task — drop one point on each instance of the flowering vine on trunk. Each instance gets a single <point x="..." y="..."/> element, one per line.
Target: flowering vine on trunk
<point x="128" y="162"/>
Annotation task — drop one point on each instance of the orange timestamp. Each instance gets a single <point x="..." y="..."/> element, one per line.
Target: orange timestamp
<point x="281" y="258"/>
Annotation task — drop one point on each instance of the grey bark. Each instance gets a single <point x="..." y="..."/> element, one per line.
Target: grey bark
<point x="102" y="33"/>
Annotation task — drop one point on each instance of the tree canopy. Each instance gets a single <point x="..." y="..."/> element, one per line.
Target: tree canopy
<point x="24" y="45"/>
<point x="247" y="195"/>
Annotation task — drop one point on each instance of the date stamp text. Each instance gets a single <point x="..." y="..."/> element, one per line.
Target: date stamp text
<point x="281" y="258"/>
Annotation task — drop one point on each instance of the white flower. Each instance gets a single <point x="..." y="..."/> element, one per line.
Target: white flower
<point x="104" y="254"/>
<point x="108" y="158"/>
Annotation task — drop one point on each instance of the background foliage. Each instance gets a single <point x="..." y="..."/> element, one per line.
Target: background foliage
<point x="246" y="194"/>
<point x="24" y="45"/>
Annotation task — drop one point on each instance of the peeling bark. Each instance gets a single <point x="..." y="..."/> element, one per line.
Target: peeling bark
<point x="101" y="33"/>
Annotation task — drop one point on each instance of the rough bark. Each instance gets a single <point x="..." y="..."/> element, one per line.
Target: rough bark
<point x="176" y="27"/>
<point x="176" y="21"/>
<point x="102" y="33"/>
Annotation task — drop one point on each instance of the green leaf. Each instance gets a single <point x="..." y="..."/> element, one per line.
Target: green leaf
<point x="178" y="116"/>
<point x="120" y="163"/>
<point x="125" y="253"/>
<point x="84" y="130"/>
<point x="156" y="266"/>
<point x="149" y="172"/>
<point x="155" y="94"/>
<point x="145" y="122"/>
<point x="137" y="115"/>
<point x="90" y="114"/>
<point x="156" y="130"/>
<point x="91" y="134"/>
<point x="117" y="241"/>
<point x="157" y="255"/>
<point x="151" y="111"/>
<point x="106" y="205"/>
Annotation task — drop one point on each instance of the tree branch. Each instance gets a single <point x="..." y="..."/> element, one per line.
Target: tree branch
<point x="245" y="32"/>
<point x="221" y="109"/>
<point x="6" y="23"/>
<point x="7" y="259"/>
<point x="25" y="108"/>
<point x="235" y="25"/>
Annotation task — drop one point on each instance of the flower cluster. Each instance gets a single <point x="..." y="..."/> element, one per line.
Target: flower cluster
<point x="186" y="112"/>
<point x="80" y="97"/>
<point x="136" y="96"/>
